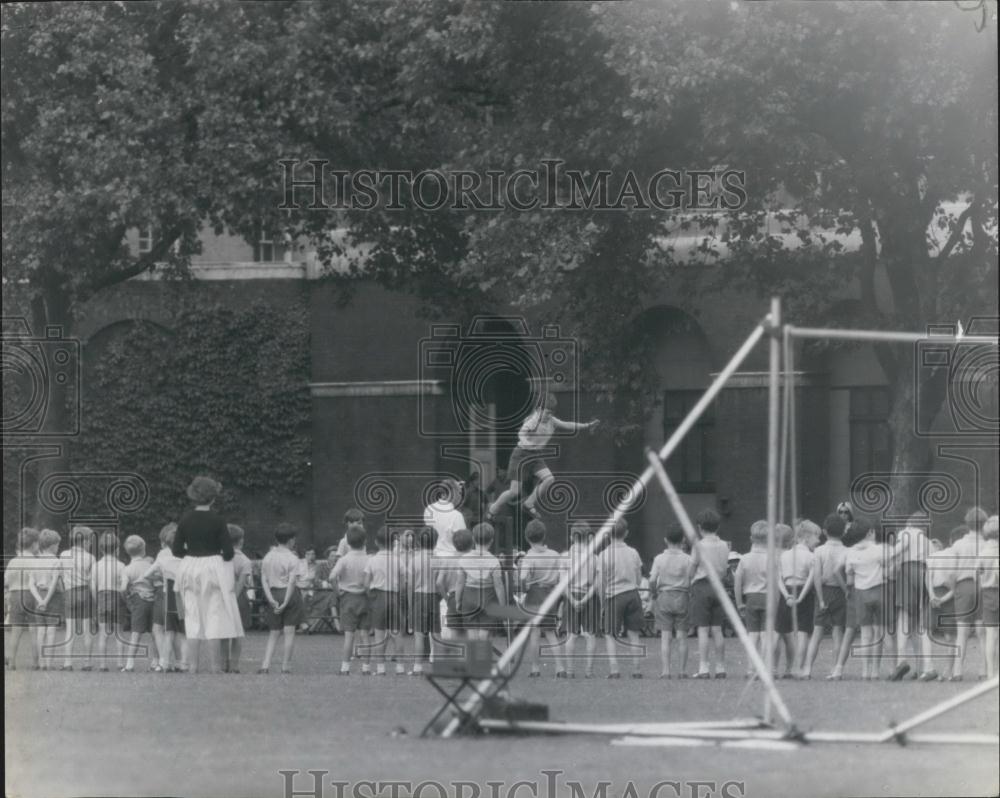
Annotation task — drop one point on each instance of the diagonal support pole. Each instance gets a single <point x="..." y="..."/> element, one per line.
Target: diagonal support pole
<point x="491" y="685"/>
<point x="897" y="731"/>
<point x="720" y="591"/>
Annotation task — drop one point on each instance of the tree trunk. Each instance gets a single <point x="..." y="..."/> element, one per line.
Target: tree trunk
<point x="912" y="456"/>
<point x="51" y="308"/>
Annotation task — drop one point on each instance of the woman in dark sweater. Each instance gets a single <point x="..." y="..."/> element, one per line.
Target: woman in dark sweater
<point x="205" y="577"/>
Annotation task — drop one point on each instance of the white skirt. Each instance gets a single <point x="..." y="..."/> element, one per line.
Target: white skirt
<point x="207" y="587"/>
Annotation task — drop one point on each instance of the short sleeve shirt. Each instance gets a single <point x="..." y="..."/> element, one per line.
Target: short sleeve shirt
<point x="671" y="570"/>
<point x="280" y="567"/>
<point x="349" y="572"/>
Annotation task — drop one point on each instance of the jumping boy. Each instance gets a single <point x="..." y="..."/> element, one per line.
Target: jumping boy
<point x="670" y="586"/>
<point x="538" y="573"/>
<point x="533" y="437"/>
<point x="706" y="610"/>
<point x="619" y="572"/>
<point x="348" y="579"/>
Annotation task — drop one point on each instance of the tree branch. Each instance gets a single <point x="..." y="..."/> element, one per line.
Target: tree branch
<point x="141" y="264"/>
<point x="956" y="234"/>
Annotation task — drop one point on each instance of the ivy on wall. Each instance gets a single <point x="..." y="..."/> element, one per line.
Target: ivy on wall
<point x="222" y="392"/>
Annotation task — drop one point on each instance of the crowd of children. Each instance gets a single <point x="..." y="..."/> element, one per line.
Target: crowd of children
<point x="860" y="581"/>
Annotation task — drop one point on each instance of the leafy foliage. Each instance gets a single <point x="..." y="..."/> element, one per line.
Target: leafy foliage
<point x="222" y="392"/>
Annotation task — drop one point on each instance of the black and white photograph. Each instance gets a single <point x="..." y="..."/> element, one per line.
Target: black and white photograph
<point x="500" y="399"/>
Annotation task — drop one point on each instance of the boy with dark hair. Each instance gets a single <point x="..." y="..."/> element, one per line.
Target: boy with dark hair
<point x="279" y="574"/>
<point x="908" y="559"/>
<point x="988" y="571"/>
<point x="706" y="610"/>
<point x="619" y="572"/>
<point x="353" y="517"/>
<point x="447" y="569"/>
<point x="831" y="589"/>
<point x="108" y="585"/>
<point x="479" y="585"/>
<point x="348" y="579"/>
<point x="670" y="586"/>
<point x="538" y="573"/>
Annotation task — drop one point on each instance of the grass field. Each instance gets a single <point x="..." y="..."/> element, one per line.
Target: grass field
<point x="89" y="734"/>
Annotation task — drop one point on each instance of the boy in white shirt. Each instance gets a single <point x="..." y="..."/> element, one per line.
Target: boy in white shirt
<point x="384" y="578"/>
<point x="20" y="602"/>
<point x="864" y="568"/>
<point x="908" y="559"/>
<point x="831" y="589"/>
<point x="279" y="577"/>
<point x="349" y="582"/>
<point x="619" y="572"/>
<point x="582" y="605"/>
<point x="988" y="570"/>
<point x="796" y="612"/>
<point x="424" y="598"/>
<point x="538" y="573"/>
<point x="46" y="585"/>
<point x="479" y="585"/>
<point x="670" y="587"/>
<point x="750" y="586"/>
<point x="78" y="566"/>
<point x="706" y="609"/>
<point x="138" y="596"/>
<point x="232" y="649"/>
<point x="108" y="584"/>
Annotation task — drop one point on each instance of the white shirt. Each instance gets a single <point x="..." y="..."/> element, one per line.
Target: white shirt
<point x="536" y="431"/>
<point x="446" y="520"/>
<point x="865" y="562"/>
<point x="965" y="555"/>
<point x="912" y="545"/>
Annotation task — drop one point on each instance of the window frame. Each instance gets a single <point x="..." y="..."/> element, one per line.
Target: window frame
<point x="704" y="428"/>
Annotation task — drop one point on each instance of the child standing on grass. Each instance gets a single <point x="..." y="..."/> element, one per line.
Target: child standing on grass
<point x="864" y="568"/>
<point x="619" y="572"/>
<point x="941" y="592"/>
<point x="706" y="610"/>
<point x="479" y="585"/>
<point x="908" y="559"/>
<point x="831" y="589"/>
<point x="583" y="607"/>
<point x="383" y="578"/>
<point x="20" y="600"/>
<point x="750" y="588"/>
<point x="242" y="581"/>
<point x="538" y="573"/>
<point x="138" y="596"/>
<point x="447" y="569"/>
<point x="279" y="575"/>
<point x="989" y="587"/>
<point x="424" y="598"/>
<point x="48" y="592"/>
<point x="349" y="581"/>
<point x="108" y="585"/>
<point x="968" y="606"/>
<point x="670" y="586"/>
<point x="78" y="567"/>
<point x="168" y="628"/>
<point x="797" y="574"/>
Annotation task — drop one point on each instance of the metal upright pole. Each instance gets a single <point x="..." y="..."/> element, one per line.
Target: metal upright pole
<point x="774" y="323"/>
<point x="793" y="479"/>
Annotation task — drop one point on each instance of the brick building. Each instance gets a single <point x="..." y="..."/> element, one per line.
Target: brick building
<point x="386" y="422"/>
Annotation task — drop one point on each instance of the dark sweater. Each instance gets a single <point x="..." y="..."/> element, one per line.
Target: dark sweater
<point x="202" y="533"/>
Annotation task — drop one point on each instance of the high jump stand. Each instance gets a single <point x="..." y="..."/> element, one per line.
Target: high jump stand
<point x="727" y="732"/>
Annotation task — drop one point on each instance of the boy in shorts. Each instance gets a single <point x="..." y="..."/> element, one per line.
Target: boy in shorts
<point x="348" y="579"/>
<point x="831" y="590"/>
<point x="968" y="606"/>
<point x="78" y="566"/>
<point x="479" y="585"/>
<point x="284" y="611"/>
<point x="706" y="610"/>
<point x="46" y="585"/>
<point x="108" y="583"/>
<point x="619" y="572"/>
<point x="988" y="569"/>
<point x="138" y="596"/>
<point x="864" y="568"/>
<point x="538" y="573"/>
<point x="16" y="588"/>
<point x="384" y="578"/>
<point x="909" y="562"/>
<point x="750" y="586"/>
<point x="446" y="570"/>
<point x="424" y="598"/>
<point x="582" y="606"/>
<point x="670" y="586"/>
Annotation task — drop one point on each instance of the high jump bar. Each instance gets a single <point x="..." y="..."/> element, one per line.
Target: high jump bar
<point x="488" y="686"/>
<point x="888" y="336"/>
